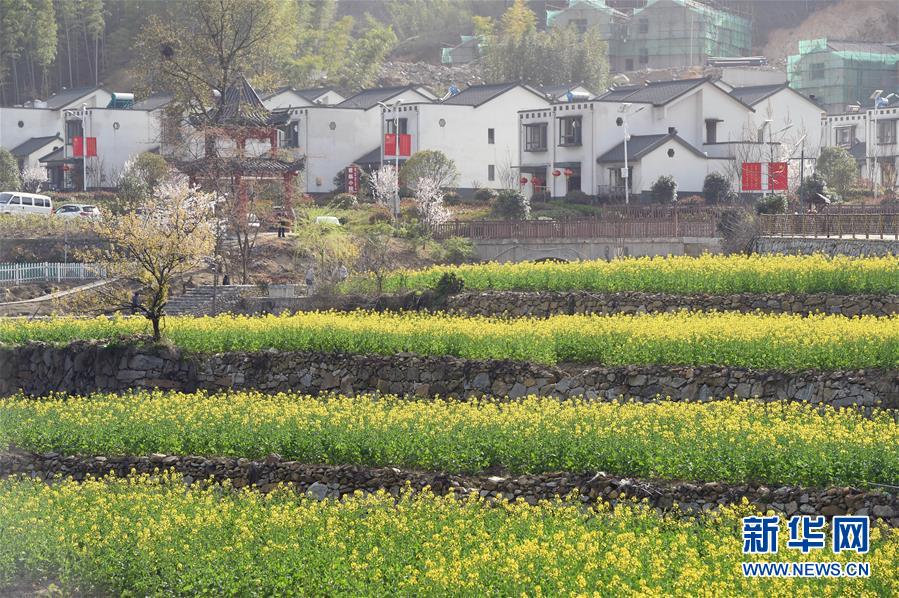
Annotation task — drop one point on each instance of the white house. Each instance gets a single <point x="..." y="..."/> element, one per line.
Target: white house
<point x="288" y="97"/>
<point x="28" y="153"/>
<point x="331" y="138"/>
<point x="787" y="121"/>
<point x="475" y="128"/>
<point x="680" y="128"/>
<point x="855" y="131"/>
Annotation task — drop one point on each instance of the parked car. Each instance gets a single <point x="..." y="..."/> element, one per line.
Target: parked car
<point x="16" y="202"/>
<point x="75" y="210"/>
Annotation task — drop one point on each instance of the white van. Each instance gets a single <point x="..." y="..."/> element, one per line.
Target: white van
<point x="16" y="202"/>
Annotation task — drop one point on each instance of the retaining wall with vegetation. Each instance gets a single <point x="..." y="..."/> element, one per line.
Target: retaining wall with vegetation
<point x="334" y="481"/>
<point x="85" y="367"/>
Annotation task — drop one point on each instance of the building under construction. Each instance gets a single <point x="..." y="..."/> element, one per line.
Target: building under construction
<point x="658" y="34"/>
<point x="840" y="75"/>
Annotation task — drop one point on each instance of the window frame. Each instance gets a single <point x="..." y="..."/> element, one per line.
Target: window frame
<point x="850" y="137"/>
<point x="542" y="142"/>
<point x="575" y="138"/>
<point x="491" y="136"/>
<point x="491" y="172"/>
<point x="888" y="124"/>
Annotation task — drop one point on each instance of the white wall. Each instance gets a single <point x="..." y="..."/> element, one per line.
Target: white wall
<point x="327" y="150"/>
<point x="464" y="136"/>
<point x="138" y="132"/>
<point x="36" y="122"/>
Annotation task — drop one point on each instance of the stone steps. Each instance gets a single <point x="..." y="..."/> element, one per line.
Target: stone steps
<point x="197" y="301"/>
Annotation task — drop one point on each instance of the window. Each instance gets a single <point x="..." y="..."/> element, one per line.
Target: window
<point x="886" y="132"/>
<point x="15" y="201"/>
<point x="580" y="25"/>
<point x="403" y="126"/>
<point x="26" y="201"/>
<point x="570" y="130"/>
<point x="711" y="130"/>
<point x="491" y="136"/>
<point x="491" y="172"/>
<point x="643" y="26"/>
<point x="845" y="137"/>
<point x="817" y="70"/>
<point x="628" y="64"/>
<point x="535" y="137"/>
<point x="39" y="202"/>
<point x="644" y="55"/>
<point x="73" y="129"/>
<point x="293" y="135"/>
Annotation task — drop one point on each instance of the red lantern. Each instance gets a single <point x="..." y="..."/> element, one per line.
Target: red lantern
<point x="524" y="180"/>
<point x="535" y="180"/>
<point x="556" y="173"/>
<point x="66" y="167"/>
<point x="568" y="172"/>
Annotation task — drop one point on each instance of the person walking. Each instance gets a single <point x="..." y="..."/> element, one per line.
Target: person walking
<point x="310" y="280"/>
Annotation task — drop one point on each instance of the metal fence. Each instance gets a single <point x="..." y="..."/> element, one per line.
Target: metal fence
<point x="579" y="229"/>
<point x="878" y="226"/>
<point x="12" y="274"/>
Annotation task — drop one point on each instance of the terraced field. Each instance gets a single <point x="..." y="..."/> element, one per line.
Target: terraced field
<point x="235" y="492"/>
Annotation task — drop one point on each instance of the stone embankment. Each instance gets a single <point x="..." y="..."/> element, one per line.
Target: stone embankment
<point x="85" y="367"/>
<point x="330" y="481"/>
<point x="543" y="304"/>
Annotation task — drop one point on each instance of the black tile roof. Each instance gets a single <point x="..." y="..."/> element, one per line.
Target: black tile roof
<point x="32" y="145"/>
<point x="67" y="96"/>
<point x="248" y="165"/>
<point x="369" y="98"/>
<point x="154" y="101"/>
<point x="640" y="145"/>
<point x="657" y="93"/>
<point x="307" y="94"/>
<point x="479" y="94"/>
<point x="241" y="106"/>
<point x="859" y="151"/>
<point x="754" y="94"/>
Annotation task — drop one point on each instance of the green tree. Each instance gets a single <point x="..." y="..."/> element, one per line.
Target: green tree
<point x="664" y="190"/>
<point x="838" y="168"/>
<point x="813" y="188"/>
<point x="511" y="204"/>
<point x="9" y="171"/>
<point x="429" y="164"/>
<point x="716" y="189"/>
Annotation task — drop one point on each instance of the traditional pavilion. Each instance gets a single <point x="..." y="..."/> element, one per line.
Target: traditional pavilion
<point x="240" y="117"/>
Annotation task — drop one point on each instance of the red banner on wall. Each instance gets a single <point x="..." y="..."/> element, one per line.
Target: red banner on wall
<point x="91" y="150"/>
<point x="77" y="147"/>
<point x="777" y="176"/>
<point x="405" y="145"/>
<point x="752" y="176"/>
<point x="352" y="179"/>
<point x="390" y="144"/>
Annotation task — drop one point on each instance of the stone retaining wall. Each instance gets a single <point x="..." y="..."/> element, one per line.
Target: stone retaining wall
<point x="873" y="247"/>
<point x="86" y="367"/>
<point x="327" y="481"/>
<point x="543" y="304"/>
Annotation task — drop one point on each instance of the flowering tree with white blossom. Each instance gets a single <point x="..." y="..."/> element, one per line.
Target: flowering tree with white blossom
<point x="429" y="202"/>
<point x="384" y="184"/>
<point x="33" y="178"/>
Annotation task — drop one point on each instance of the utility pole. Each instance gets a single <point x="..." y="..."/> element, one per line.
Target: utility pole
<point x="83" y="147"/>
<point x="876" y="97"/>
<point x="396" y="152"/>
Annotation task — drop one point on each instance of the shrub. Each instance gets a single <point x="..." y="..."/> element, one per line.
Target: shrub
<point x="9" y="172"/>
<point x="343" y="201"/>
<point x="812" y="188"/>
<point x="772" y="204"/>
<point x="448" y="284"/>
<point x="578" y="196"/>
<point x="664" y="190"/>
<point x="541" y="197"/>
<point x="717" y="189"/>
<point x="511" y="205"/>
<point x="485" y="195"/>
<point x="431" y="164"/>
<point x="838" y="168"/>
<point x="380" y="214"/>
<point x="457" y="250"/>
<point x="452" y="198"/>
